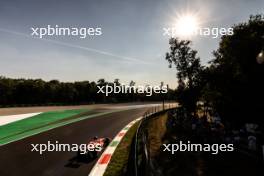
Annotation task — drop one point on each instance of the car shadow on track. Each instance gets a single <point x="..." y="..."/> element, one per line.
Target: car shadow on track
<point x="76" y="162"/>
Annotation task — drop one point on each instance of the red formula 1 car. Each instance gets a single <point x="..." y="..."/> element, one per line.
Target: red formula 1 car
<point x="93" y="148"/>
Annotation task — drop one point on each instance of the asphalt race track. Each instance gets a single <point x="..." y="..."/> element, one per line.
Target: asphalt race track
<point x="17" y="159"/>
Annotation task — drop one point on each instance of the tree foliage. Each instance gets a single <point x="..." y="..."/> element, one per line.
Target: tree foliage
<point x="233" y="83"/>
<point x="188" y="66"/>
<point x="28" y="92"/>
<point x="235" y="80"/>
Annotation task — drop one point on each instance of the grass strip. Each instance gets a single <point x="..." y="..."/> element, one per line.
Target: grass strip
<point x="156" y="128"/>
<point x="37" y="121"/>
<point x="119" y="160"/>
<point x="60" y="123"/>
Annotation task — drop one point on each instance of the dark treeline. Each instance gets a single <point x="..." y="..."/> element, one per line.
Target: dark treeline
<point x="233" y="82"/>
<point x="32" y="92"/>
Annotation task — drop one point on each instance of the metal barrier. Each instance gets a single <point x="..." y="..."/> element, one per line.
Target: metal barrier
<point x="141" y="159"/>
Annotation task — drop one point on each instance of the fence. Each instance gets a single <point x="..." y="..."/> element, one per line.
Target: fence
<point x="141" y="161"/>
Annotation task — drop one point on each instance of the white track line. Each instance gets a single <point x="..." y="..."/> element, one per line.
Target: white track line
<point x="12" y="118"/>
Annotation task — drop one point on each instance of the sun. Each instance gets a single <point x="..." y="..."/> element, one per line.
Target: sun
<point x="186" y="25"/>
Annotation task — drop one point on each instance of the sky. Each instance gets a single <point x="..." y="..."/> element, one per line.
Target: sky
<point x="132" y="45"/>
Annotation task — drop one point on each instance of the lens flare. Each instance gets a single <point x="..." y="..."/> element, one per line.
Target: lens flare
<point x="186" y="25"/>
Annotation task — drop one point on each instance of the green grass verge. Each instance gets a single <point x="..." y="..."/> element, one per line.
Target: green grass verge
<point x="156" y="128"/>
<point x="119" y="160"/>
<point x="18" y="128"/>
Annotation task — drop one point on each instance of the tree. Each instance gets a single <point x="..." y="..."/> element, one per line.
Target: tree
<point x="235" y="79"/>
<point x="30" y="92"/>
<point x="188" y="68"/>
